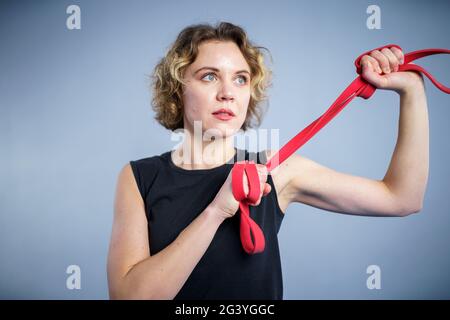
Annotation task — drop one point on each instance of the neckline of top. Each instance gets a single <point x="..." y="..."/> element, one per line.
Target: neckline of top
<point x="239" y="155"/>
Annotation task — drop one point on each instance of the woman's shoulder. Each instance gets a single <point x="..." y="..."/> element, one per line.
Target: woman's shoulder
<point x="146" y="170"/>
<point x="282" y="174"/>
<point x="148" y="166"/>
<point x="150" y="161"/>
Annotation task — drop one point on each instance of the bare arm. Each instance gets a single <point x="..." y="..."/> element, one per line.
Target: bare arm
<point x="401" y="191"/>
<point x="135" y="274"/>
<point x="407" y="174"/>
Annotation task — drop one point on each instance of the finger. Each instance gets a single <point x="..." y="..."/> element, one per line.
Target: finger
<point x="373" y="63"/>
<point x="382" y="60"/>
<point x="399" y="54"/>
<point x="393" y="61"/>
<point x="262" y="173"/>
<point x="267" y="189"/>
<point x="262" y="188"/>
<point x="374" y="78"/>
<point x="262" y="168"/>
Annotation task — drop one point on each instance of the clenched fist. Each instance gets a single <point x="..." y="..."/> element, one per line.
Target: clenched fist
<point x="380" y="69"/>
<point x="225" y="203"/>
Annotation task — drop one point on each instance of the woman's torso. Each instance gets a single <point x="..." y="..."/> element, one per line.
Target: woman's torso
<point x="174" y="197"/>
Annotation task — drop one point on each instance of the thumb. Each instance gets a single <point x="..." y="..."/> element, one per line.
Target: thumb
<point x="379" y="81"/>
<point x="267" y="189"/>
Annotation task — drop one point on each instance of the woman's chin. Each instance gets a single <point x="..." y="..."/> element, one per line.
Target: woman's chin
<point x="221" y="131"/>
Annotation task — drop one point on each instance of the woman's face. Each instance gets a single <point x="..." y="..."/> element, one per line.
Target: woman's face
<point x="218" y="78"/>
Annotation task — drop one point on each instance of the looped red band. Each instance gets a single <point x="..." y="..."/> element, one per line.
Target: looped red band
<point x="248" y="226"/>
<point x="357" y="88"/>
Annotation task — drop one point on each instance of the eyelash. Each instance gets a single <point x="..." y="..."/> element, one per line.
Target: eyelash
<point x="212" y="73"/>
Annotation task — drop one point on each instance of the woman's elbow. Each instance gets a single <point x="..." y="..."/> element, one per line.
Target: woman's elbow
<point x="125" y="291"/>
<point x="410" y="208"/>
<point x="123" y="294"/>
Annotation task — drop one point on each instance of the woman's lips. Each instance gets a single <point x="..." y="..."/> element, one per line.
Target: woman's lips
<point x="223" y="116"/>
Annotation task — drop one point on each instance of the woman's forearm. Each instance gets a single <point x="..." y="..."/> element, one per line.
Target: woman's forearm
<point x="161" y="276"/>
<point x="407" y="174"/>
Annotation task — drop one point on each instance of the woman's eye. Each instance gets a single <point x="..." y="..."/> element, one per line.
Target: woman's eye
<point x="244" y="79"/>
<point x="208" y="75"/>
<point x="211" y="76"/>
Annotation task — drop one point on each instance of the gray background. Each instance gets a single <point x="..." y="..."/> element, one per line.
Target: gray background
<point x="74" y="108"/>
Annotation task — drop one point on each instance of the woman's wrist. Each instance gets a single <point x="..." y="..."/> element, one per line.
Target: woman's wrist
<point x="415" y="86"/>
<point x="214" y="214"/>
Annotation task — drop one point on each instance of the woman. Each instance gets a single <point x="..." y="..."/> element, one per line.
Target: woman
<point x="175" y="233"/>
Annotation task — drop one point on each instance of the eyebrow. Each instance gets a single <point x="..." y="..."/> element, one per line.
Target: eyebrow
<point x="217" y="70"/>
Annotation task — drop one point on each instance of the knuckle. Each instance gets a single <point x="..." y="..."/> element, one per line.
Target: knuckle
<point x="399" y="56"/>
<point x="385" y="67"/>
<point x="397" y="51"/>
<point x="384" y="64"/>
<point x="262" y="171"/>
<point x="391" y="57"/>
<point x="380" y="58"/>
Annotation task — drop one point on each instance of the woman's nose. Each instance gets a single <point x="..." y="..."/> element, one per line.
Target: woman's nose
<point x="225" y="92"/>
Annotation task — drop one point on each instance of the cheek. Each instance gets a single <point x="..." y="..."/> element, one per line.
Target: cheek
<point x="196" y="101"/>
<point x="245" y="100"/>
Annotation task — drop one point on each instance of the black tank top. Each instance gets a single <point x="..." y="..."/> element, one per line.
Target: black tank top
<point x="174" y="197"/>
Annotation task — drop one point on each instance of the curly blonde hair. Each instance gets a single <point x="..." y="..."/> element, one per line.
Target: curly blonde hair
<point x="168" y="74"/>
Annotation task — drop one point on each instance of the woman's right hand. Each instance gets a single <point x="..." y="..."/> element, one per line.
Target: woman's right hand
<point x="226" y="205"/>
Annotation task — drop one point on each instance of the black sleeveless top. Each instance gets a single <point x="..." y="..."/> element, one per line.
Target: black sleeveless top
<point x="174" y="197"/>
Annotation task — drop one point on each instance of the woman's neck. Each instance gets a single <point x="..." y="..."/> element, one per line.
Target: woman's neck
<point x="197" y="155"/>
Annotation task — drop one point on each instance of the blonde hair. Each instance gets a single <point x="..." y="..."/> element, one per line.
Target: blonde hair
<point x="168" y="74"/>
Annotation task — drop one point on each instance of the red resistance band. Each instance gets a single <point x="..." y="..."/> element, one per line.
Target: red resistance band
<point x="252" y="237"/>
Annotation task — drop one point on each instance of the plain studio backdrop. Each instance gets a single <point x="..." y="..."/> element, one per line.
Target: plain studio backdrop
<point x="75" y="108"/>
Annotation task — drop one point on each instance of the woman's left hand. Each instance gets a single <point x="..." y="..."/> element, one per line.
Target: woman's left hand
<point x="380" y="69"/>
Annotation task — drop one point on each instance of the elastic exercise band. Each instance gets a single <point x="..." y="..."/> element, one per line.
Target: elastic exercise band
<point x="252" y="237"/>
